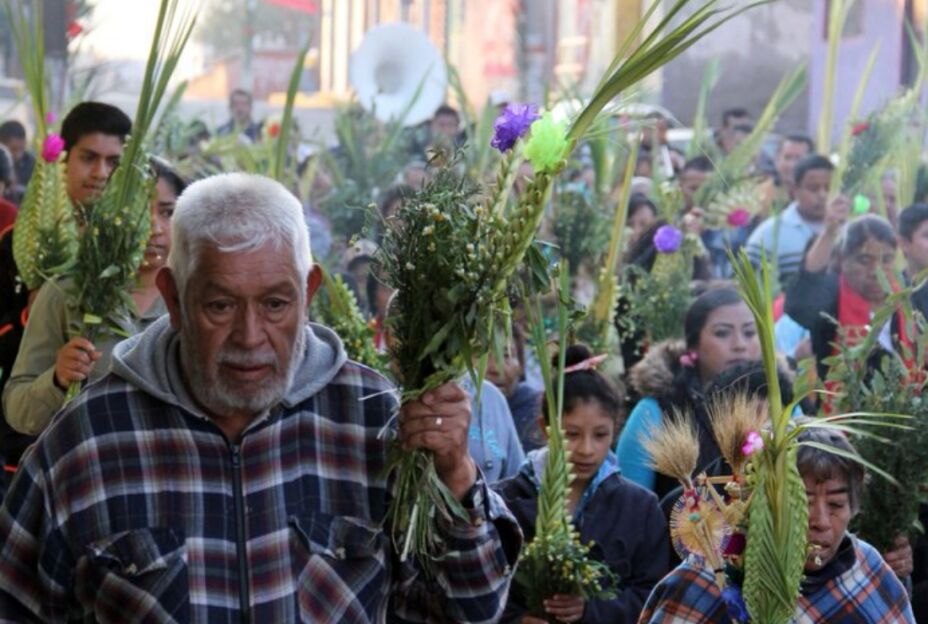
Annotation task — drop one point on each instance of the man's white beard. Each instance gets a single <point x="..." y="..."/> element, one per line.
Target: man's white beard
<point x="219" y="397"/>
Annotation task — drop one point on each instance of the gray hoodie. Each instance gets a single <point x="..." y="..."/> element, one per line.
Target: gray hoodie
<point x="143" y="359"/>
<point x="132" y="478"/>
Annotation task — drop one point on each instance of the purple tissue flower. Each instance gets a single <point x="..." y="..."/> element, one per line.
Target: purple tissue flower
<point x="512" y="123"/>
<point x="667" y="239"/>
<point x="735" y="544"/>
<point x="737" y="610"/>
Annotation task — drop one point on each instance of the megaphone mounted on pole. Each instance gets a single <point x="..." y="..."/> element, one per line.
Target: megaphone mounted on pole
<point x="387" y="69"/>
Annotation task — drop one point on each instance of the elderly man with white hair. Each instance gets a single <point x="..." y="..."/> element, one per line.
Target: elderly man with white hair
<point x="230" y="468"/>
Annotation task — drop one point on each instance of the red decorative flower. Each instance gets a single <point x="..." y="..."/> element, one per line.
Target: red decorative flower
<point x="74" y="29"/>
<point x="273" y="130"/>
<point x="860" y="128"/>
<point x="52" y="148"/>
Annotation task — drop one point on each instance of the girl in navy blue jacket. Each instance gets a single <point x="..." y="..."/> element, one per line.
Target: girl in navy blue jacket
<point x="623" y="520"/>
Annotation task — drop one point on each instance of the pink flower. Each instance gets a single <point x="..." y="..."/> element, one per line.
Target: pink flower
<point x="689" y="359"/>
<point x="860" y="128"/>
<point x="738" y="217"/>
<point x="74" y="29"/>
<point x="50" y="118"/>
<point x="753" y="442"/>
<point x="52" y="148"/>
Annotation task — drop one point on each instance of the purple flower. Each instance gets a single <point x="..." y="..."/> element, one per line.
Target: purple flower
<point x="735" y="545"/>
<point x="512" y="123"/>
<point x="667" y="239"/>
<point x="737" y="610"/>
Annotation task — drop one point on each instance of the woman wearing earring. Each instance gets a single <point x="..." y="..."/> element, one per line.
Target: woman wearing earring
<point x="719" y="332"/>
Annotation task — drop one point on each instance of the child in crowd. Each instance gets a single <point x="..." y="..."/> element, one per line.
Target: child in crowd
<point x="622" y="520"/>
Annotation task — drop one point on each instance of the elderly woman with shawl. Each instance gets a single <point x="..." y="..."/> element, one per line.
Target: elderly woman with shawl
<point x="846" y="579"/>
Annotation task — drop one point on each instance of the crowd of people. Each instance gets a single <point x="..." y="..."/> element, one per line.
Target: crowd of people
<point x="225" y="459"/>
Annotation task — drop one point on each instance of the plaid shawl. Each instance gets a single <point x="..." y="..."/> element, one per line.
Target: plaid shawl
<point x="866" y="593"/>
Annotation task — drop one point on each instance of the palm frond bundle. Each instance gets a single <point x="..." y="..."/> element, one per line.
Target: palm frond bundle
<point x="370" y="157"/>
<point x="733" y="418"/>
<point x="736" y="206"/>
<point x="598" y="326"/>
<point x="735" y="166"/>
<point x="674" y="448"/>
<point x="658" y="299"/>
<point x="778" y="514"/>
<point x="463" y="253"/>
<point x="580" y="227"/>
<point x="837" y="16"/>
<point x="869" y="380"/>
<point x="336" y="307"/>
<point x="873" y="141"/>
<point x="703" y="143"/>
<point x="45" y="243"/>
<point x="754" y="539"/>
<point x="555" y="561"/>
<point x="112" y="243"/>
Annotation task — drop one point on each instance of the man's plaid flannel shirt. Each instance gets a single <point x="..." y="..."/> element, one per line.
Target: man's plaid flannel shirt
<point x="126" y="511"/>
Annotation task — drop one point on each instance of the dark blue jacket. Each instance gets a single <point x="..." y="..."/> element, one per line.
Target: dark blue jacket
<point x="630" y="534"/>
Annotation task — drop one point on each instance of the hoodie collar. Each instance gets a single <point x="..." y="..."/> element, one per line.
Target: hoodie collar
<point x="150" y="361"/>
<point x="534" y="467"/>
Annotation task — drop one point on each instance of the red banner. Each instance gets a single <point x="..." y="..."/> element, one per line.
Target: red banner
<point x="306" y="6"/>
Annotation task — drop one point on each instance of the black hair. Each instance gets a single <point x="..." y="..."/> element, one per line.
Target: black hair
<point x="584" y="386"/>
<point x="639" y="201"/>
<point x="865" y="228"/>
<point x="164" y="171"/>
<point x="240" y="91"/>
<point x="93" y="117"/>
<point x="747" y="378"/>
<point x="12" y="130"/>
<point x="910" y="218"/>
<point x="811" y="162"/>
<point x="822" y="465"/>
<point x="921" y="184"/>
<point x="699" y="311"/>
<point x="6" y="166"/>
<point x="444" y="109"/>
<point x="798" y="138"/>
<point x="699" y="163"/>
<point x="642" y="253"/>
<point x="396" y="192"/>
<point x="733" y="113"/>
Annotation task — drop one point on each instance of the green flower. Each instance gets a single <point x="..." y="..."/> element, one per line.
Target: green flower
<point x="547" y="147"/>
